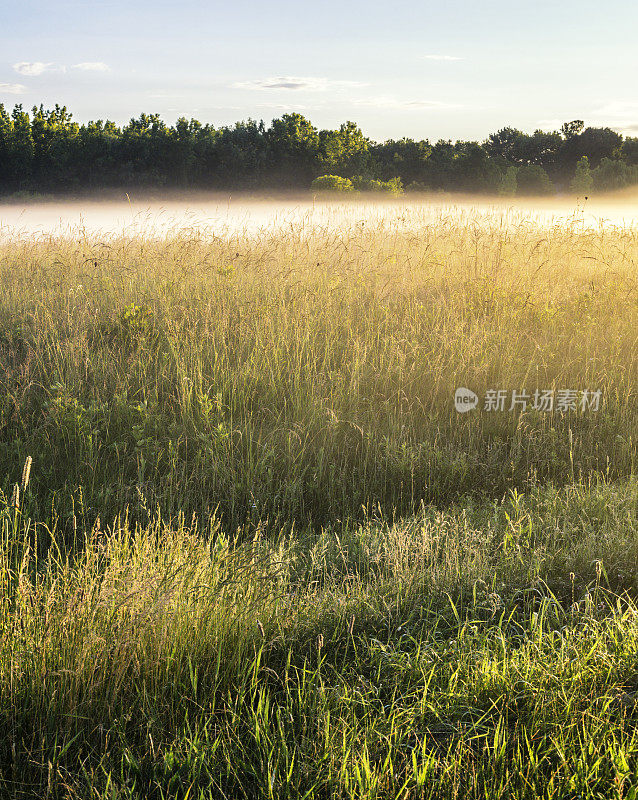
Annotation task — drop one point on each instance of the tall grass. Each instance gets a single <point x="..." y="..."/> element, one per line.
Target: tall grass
<point x="475" y="652"/>
<point x="306" y="372"/>
<point x="258" y="554"/>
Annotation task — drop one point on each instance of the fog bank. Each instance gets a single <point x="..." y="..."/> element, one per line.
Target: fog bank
<point x="222" y="215"/>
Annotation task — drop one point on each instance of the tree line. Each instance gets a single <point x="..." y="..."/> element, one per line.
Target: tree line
<point x="46" y="150"/>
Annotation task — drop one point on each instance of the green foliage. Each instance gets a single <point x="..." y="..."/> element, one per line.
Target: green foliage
<point x="599" y="143"/>
<point x="519" y="149"/>
<point x="259" y="555"/>
<point x="45" y="151"/>
<point x="472" y="170"/>
<point x="583" y="181"/>
<point x="629" y="150"/>
<point x="293" y="145"/>
<point x="192" y="373"/>
<point x="135" y="320"/>
<point x="533" y="180"/>
<point x="614" y="174"/>
<point x="345" y="151"/>
<point x="362" y="661"/>
<point x="417" y="186"/>
<point x="331" y="183"/>
<point x="594" y="143"/>
<point x="393" y="186"/>
<point x="509" y="183"/>
<point x="464" y="166"/>
<point x="362" y="184"/>
<point x="570" y="130"/>
<point x="405" y="157"/>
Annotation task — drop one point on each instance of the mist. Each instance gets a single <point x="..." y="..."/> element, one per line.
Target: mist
<point x="224" y="214"/>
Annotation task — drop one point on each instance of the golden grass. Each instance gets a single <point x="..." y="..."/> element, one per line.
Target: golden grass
<point x="308" y="370"/>
<point x="298" y="382"/>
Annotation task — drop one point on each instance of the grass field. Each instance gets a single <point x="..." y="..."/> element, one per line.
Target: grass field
<point x="260" y="554"/>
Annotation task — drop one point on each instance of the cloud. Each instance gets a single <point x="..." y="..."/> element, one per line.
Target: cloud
<point x="294" y="84"/>
<point x="408" y="105"/>
<point x="32" y="68"/>
<point x="622" y="115"/>
<point x="617" y="109"/>
<point x="433" y="57"/>
<point x="12" y="88"/>
<point x="92" y="66"/>
<point x="551" y="124"/>
<point x="283" y="106"/>
<point x="206" y="109"/>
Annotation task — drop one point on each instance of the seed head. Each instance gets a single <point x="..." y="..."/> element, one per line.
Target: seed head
<point x="26" y="472"/>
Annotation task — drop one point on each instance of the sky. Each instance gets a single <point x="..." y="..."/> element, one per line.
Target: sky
<point x="454" y="69"/>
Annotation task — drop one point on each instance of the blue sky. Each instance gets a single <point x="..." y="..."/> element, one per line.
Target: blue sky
<point x="455" y="69"/>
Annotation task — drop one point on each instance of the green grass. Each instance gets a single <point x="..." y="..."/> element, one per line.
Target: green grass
<point x="261" y="556"/>
<point x="300" y="375"/>
<point x="489" y="650"/>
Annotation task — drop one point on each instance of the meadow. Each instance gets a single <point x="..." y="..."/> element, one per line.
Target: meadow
<point x="259" y="552"/>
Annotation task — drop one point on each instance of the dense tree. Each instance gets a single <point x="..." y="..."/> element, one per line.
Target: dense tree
<point x="595" y="143"/>
<point x="521" y="149"/>
<point x="332" y="183"/>
<point x="571" y="129"/>
<point x="544" y="149"/>
<point x="598" y="143"/>
<point x="46" y="150"/>
<point x="532" y="179"/>
<point x="293" y="144"/>
<point x="614" y="174"/>
<point x="582" y="182"/>
<point x="16" y="149"/>
<point x="474" y="170"/>
<point x="54" y="138"/>
<point x="404" y="157"/>
<point x="629" y="150"/>
<point x="509" y="184"/>
<point x="509" y="144"/>
<point x="96" y="155"/>
<point x="345" y="151"/>
<point x="235" y="156"/>
<point x="440" y="171"/>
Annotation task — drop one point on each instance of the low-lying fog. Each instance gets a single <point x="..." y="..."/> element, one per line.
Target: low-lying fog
<point x="226" y="214"/>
